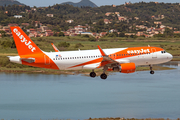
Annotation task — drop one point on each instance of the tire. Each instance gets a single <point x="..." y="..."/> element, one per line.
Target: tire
<point x="152" y="72"/>
<point x="93" y="74"/>
<point x="103" y="76"/>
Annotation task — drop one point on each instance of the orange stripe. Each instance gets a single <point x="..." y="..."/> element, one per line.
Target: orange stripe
<point x="89" y="62"/>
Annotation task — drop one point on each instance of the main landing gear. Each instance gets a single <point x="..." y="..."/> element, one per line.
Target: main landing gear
<point x="151" y="72"/>
<point x="103" y="75"/>
<point x="93" y="74"/>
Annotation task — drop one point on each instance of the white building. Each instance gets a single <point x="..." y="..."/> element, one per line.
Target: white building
<point x="18" y="16"/>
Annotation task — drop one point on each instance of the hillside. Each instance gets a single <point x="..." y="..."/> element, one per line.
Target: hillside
<point x="9" y="2"/>
<point x="146" y="14"/>
<point x="82" y="3"/>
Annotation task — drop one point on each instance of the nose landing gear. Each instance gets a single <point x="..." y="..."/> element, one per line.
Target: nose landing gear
<point x="151" y="72"/>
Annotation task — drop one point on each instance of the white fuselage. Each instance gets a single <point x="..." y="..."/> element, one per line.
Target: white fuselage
<point x="65" y="60"/>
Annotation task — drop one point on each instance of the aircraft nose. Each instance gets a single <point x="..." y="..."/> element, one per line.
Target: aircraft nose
<point x="169" y="56"/>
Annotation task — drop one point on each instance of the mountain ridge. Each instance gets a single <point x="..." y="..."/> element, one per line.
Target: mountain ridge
<point x="82" y="3"/>
<point x="9" y="2"/>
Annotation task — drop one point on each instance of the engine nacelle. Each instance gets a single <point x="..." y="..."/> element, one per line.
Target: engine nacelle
<point x="128" y="68"/>
<point x="125" y="68"/>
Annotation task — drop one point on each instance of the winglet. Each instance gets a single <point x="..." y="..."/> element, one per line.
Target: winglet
<point x="102" y="52"/>
<point x="55" y="48"/>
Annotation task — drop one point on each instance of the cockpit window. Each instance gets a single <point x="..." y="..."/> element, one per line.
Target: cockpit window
<point x="163" y="52"/>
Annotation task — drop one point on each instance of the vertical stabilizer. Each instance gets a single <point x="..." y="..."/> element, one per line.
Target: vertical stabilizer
<point x="23" y="43"/>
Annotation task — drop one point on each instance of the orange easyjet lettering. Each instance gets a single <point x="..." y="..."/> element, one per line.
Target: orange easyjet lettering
<point x="24" y="40"/>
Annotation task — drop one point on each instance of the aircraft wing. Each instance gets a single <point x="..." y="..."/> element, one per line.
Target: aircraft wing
<point x="107" y="61"/>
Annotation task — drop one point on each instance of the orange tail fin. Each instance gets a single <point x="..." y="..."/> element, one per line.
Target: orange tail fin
<point x="23" y="43"/>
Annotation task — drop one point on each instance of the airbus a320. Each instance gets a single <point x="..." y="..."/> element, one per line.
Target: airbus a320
<point x="123" y="60"/>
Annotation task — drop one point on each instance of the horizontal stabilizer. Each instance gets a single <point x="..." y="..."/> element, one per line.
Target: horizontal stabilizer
<point x="29" y="60"/>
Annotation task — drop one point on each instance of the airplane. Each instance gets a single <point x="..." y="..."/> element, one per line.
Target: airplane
<point x="123" y="60"/>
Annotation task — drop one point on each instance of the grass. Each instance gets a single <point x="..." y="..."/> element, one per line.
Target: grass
<point x="170" y="45"/>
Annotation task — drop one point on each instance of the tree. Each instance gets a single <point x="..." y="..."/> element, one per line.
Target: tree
<point x="64" y="44"/>
<point x="121" y="35"/>
<point x="92" y="39"/>
<point x="78" y="45"/>
<point x="168" y="32"/>
<point x="61" y="34"/>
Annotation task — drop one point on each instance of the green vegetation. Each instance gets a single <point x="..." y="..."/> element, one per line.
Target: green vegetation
<point x="64" y="44"/>
<point x="87" y="15"/>
<point x="171" y="45"/>
<point x="78" y="45"/>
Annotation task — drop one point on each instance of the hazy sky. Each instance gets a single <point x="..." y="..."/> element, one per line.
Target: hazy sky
<point x="39" y="3"/>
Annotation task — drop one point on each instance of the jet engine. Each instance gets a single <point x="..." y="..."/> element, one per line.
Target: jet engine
<point x="125" y="68"/>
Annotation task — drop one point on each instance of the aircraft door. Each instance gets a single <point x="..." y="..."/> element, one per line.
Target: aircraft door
<point x="46" y="60"/>
<point x="154" y="54"/>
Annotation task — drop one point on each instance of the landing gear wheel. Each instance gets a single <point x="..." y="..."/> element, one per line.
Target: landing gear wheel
<point x="103" y="76"/>
<point x="92" y="74"/>
<point x="151" y="72"/>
